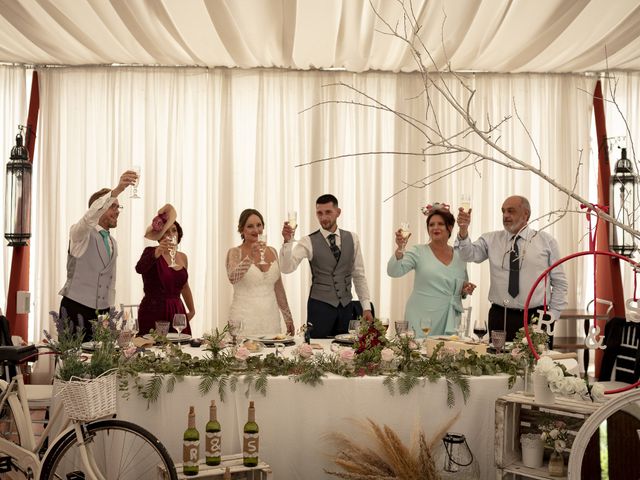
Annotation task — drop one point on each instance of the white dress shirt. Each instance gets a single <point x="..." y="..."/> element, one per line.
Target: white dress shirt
<point x="537" y="252"/>
<point x="291" y="255"/>
<point x="79" y="232"/>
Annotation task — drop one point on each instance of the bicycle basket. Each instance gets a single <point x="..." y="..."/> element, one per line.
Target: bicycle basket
<point x="90" y="399"/>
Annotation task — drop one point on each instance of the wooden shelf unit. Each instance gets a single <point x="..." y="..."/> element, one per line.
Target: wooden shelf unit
<point x="517" y="414"/>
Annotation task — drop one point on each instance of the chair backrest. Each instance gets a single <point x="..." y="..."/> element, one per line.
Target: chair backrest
<point x="621" y="359"/>
<point x="8" y="371"/>
<point x="131" y="308"/>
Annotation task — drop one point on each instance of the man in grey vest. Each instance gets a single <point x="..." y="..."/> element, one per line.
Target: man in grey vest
<point x="91" y="258"/>
<point x="336" y="260"/>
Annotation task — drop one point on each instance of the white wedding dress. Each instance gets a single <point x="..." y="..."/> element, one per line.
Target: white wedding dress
<point x="255" y="304"/>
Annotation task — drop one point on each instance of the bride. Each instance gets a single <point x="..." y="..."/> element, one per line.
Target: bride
<point x="258" y="292"/>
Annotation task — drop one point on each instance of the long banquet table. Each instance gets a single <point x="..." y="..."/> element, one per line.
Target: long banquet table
<point x="294" y="418"/>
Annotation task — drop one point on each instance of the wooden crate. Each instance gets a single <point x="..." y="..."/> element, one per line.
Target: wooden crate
<point x="518" y="413"/>
<point x="238" y="471"/>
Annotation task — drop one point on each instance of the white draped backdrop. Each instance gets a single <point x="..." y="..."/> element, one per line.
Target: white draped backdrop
<point x="215" y="141"/>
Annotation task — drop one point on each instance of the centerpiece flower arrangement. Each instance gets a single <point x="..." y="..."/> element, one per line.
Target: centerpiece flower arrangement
<point x="521" y="348"/>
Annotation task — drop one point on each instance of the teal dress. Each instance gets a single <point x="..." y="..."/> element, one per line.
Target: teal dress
<point x="437" y="287"/>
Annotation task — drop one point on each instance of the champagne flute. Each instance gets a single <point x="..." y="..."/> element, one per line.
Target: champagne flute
<point x="465" y="202"/>
<point x="262" y="238"/>
<point x="134" y="191"/>
<point x="173" y="248"/>
<point x="292" y="219"/>
<point x="404" y="231"/>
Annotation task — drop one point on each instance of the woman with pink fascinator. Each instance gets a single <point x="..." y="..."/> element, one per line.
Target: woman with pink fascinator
<point x="441" y="279"/>
<point x="164" y="274"/>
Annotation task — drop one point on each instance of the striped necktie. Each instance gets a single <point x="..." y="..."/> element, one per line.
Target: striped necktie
<point x="514" y="269"/>
<point x="334" y="248"/>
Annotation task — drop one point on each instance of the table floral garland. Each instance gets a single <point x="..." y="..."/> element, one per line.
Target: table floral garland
<point x="399" y="359"/>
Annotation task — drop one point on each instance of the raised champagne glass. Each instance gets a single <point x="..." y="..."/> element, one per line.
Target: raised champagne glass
<point x="134" y="191"/>
<point x="405" y="232"/>
<point x="465" y="202"/>
<point x="173" y="249"/>
<point x="262" y="239"/>
<point x="292" y="219"/>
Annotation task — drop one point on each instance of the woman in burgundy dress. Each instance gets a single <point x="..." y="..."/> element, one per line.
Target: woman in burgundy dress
<point x="163" y="284"/>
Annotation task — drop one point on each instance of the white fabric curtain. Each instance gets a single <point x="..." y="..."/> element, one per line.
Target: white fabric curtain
<point x="213" y="142"/>
<point x="13" y="112"/>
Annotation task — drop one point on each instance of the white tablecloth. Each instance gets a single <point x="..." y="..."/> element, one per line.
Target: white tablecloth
<point x="294" y="418"/>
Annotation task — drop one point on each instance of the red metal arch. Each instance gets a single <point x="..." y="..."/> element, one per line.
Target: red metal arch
<point x="543" y="275"/>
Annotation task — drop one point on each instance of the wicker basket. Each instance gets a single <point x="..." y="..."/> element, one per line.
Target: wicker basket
<point x="88" y="400"/>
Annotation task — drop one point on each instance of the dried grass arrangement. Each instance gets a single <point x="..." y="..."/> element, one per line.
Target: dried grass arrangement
<point x="390" y="458"/>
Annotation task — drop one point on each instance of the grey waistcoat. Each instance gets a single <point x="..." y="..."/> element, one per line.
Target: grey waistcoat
<point x="331" y="280"/>
<point x="91" y="278"/>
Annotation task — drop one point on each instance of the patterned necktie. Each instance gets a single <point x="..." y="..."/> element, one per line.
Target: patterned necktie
<point x="514" y="269"/>
<point x="105" y="238"/>
<point x="334" y="248"/>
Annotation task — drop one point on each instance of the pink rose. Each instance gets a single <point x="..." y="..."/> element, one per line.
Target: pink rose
<point x="387" y="355"/>
<point x="131" y="351"/>
<point x="242" y="353"/>
<point x="305" y="350"/>
<point x="347" y="354"/>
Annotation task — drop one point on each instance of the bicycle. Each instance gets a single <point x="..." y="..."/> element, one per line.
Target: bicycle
<point x="100" y="449"/>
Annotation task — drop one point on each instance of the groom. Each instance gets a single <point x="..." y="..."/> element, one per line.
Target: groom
<point x="336" y="260"/>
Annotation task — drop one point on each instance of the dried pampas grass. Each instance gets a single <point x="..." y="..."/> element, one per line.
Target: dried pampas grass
<point x="389" y="459"/>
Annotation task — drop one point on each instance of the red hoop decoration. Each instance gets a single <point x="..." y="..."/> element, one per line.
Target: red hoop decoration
<point x="544" y="275"/>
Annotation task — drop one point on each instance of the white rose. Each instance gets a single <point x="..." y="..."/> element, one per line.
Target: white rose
<point x="580" y="386"/>
<point x="554" y="433"/>
<point x="544" y="365"/>
<point x="554" y="375"/>
<point x="597" y="392"/>
<point x="559" y="445"/>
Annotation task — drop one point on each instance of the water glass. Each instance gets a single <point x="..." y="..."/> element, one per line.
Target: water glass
<point x="401" y="327"/>
<point x="162" y="328"/>
<point x="354" y="326"/>
<point x="498" y="338"/>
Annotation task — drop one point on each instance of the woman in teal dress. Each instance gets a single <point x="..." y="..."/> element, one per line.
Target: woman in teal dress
<point x="440" y="280"/>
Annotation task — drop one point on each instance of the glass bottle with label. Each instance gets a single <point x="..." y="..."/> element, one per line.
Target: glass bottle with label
<point x="213" y="449"/>
<point x="191" y="446"/>
<point x="251" y="441"/>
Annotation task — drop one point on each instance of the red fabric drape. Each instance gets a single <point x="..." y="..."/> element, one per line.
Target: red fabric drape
<point x="19" y="278"/>
<point x="609" y="278"/>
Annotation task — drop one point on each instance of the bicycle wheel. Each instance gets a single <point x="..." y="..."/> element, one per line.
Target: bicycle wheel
<point x="121" y="451"/>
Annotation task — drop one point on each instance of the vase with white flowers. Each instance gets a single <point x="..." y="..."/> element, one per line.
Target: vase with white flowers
<point x="560" y="382"/>
<point x="555" y="435"/>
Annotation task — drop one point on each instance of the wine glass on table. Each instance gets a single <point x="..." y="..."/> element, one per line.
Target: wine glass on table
<point x="425" y="326"/>
<point x="354" y="326"/>
<point x="292" y="219"/>
<point x="262" y="239"/>
<point x="132" y="323"/>
<point x="134" y="191"/>
<point x="405" y="232"/>
<point x="173" y="249"/>
<point x="179" y="324"/>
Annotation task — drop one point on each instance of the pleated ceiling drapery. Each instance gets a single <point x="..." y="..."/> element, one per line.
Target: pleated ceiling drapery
<point x="478" y="35"/>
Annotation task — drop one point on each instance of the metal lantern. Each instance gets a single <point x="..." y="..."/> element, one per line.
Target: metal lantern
<point x="623" y="205"/>
<point x="17" y="216"/>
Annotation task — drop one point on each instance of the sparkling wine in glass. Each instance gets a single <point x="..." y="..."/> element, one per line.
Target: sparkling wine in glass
<point x="262" y="238"/>
<point x="179" y="323"/>
<point x="173" y="249"/>
<point x="425" y="326"/>
<point x="292" y="219"/>
<point x="134" y="191"/>
<point x="465" y="202"/>
<point x="405" y="232"/>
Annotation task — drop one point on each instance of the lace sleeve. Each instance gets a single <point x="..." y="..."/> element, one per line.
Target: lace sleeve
<point x="281" y="298"/>
<point x="236" y="266"/>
